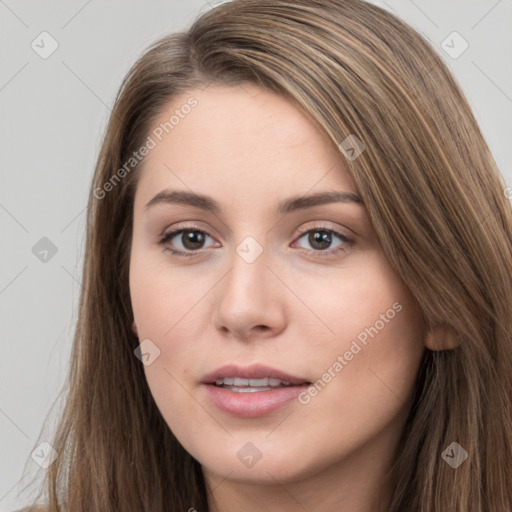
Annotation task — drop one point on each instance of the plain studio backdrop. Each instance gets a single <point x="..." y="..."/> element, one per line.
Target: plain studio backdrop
<point x="61" y="65"/>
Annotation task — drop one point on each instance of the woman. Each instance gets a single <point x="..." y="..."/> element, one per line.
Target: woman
<point x="297" y="279"/>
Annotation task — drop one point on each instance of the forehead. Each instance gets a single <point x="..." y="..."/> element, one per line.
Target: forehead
<point x="241" y="140"/>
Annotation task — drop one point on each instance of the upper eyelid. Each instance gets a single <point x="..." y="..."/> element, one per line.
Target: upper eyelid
<point x="320" y="227"/>
<point x="301" y="231"/>
<point x="171" y="233"/>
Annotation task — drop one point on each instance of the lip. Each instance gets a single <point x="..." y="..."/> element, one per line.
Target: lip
<point x="252" y="405"/>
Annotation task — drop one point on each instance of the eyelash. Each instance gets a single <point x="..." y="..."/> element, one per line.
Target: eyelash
<point x="326" y="253"/>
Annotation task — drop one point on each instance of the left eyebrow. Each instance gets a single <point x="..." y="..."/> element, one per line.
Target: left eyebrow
<point x="292" y="204"/>
<point x="303" y="202"/>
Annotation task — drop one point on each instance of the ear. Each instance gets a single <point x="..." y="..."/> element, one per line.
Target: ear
<point x="441" y="337"/>
<point x="134" y="329"/>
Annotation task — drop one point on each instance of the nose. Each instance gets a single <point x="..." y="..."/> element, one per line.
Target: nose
<point x="249" y="301"/>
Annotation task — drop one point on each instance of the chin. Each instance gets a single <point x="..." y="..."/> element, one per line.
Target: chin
<point x="258" y="466"/>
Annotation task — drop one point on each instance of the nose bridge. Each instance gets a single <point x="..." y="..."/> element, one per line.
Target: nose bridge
<point x="246" y="298"/>
<point x="248" y="275"/>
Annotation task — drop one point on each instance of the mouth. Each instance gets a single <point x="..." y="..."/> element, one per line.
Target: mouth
<point x="252" y="391"/>
<point x="240" y="385"/>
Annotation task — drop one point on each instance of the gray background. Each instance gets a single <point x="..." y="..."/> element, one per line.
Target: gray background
<point x="53" y="113"/>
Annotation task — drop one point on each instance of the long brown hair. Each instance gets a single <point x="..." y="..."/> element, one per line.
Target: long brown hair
<point x="436" y="200"/>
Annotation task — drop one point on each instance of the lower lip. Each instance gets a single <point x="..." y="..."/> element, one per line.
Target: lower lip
<point x="252" y="405"/>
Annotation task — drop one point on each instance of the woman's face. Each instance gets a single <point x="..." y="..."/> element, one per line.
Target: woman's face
<point x="272" y="284"/>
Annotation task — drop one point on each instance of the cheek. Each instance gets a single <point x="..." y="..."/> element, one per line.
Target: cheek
<point x="164" y="313"/>
<point x="167" y="306"/>
<point x="161" y="296"/>
<point x="373" y="323"/>
<point x="370" y="363"/>
<point x="364" y="302"/>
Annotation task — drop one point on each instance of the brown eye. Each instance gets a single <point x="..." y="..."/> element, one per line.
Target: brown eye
<point x="184" y="241"/>
<point x="320" y="241"/>
<point x="192" y="239"/>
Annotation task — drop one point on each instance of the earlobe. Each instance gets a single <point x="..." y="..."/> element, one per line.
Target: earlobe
<point x="134" y="328"/>
<point x="441" y="337"/>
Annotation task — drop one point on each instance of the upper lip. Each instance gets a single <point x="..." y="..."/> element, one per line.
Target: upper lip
<point x="253" y="371"/>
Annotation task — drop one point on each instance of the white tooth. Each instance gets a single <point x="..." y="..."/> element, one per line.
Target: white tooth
<point x="259" y="382"/>
<point x="248" y="389"/>
<point x="265" y="382"/>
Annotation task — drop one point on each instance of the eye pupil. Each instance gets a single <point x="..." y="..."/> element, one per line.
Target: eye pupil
<point x="192" y="239"/>
<point x="320" y="237"/>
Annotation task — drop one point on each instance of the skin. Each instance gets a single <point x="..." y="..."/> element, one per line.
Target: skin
<point x="291" y="308"/>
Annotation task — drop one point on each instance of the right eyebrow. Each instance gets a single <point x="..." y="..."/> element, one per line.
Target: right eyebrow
<point x="186" y="199"/>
